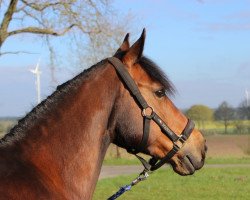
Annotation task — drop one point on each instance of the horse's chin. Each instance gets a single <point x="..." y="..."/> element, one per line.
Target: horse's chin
<point x="183" y="166"/>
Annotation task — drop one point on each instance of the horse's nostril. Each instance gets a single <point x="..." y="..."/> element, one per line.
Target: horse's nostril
<point x="205" y="148"/>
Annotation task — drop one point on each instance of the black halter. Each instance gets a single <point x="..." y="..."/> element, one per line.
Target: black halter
<point x="149" y="114"/>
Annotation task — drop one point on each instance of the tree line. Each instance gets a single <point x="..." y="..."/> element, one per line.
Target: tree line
<point x="224" y="113"/>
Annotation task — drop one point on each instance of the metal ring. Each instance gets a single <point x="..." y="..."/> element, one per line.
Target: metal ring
<point x="144" y="112"/>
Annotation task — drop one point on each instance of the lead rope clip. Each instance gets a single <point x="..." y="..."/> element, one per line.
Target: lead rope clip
<point x="142" y="176"/>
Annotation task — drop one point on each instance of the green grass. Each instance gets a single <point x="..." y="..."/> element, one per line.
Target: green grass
<point x="228" y="160"/>
<point x="208" y="183"/>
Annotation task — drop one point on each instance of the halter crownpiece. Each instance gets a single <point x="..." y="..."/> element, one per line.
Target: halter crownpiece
<point x="149" y="114"/>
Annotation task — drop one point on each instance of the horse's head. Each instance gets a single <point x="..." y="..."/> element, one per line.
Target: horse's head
<point x="155" y="88"/>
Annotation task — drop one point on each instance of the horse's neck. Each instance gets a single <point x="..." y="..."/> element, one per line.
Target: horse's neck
<point x="69" y="146"/>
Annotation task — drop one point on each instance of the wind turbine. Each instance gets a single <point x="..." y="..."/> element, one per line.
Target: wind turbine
<point x="37" y="73"/>
<point x="247" y="97"/>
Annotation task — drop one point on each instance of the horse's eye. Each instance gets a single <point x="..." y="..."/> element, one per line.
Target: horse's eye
<point x="160" y="93"/>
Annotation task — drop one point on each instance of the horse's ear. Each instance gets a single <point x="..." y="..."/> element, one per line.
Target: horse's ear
<point x="125" y="45"/>
<point x="135" y="51"/>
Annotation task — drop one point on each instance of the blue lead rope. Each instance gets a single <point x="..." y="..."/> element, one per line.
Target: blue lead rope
<point x="120" y="192"/>
<point x="142" y="176"/>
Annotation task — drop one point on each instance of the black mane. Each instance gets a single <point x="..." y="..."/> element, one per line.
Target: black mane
<point x="157" y="74"/>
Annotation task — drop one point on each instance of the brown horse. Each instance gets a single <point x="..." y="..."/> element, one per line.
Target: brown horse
<point x="56" y="151"/>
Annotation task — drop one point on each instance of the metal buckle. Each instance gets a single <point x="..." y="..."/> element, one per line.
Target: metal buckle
<point x="147" y="110"/>
<point x="142" y="176"/>
<point x="180" y="142"/>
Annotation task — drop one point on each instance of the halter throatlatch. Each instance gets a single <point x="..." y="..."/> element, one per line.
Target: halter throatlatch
<point x="149" y="114"/>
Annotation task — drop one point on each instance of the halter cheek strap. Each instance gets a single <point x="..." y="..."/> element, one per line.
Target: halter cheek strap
<point x="149" y="114"/>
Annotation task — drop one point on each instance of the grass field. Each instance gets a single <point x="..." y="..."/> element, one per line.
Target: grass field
<point x="208" y="183"/>
<point x="217" y="127"/>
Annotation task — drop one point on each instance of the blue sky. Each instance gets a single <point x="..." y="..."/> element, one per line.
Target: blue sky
<point x="203" y="46"/>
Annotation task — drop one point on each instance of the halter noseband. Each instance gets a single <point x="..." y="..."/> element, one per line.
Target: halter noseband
<point x="149" y="114"/>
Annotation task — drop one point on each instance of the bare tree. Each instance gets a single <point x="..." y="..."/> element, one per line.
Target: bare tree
<point x="84" y="21"/>
<point x="54" y="18"/>
<point x="103" y="44"/>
